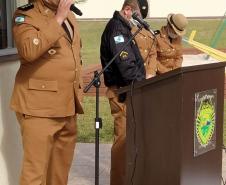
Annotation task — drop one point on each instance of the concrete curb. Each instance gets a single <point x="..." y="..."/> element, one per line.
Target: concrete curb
<point x="83" y="167"/>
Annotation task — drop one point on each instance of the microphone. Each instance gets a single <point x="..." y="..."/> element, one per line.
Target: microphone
<point x="74" y="9"/>
<point x="136" y="17"/>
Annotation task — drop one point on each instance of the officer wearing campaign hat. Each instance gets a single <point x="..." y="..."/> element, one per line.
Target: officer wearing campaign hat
<point x="169" y="43"/>
<point x="178" y="22"/>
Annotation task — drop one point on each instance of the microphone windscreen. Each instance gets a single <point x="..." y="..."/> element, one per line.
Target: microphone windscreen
<point x="74" y="9"/>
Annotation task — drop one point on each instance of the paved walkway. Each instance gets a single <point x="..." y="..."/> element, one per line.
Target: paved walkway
<point x="83" y="168"/>
<point x="83" y="171"/>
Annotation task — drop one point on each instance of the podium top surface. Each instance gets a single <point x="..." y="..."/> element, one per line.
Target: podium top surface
<point x="173" y="73"/>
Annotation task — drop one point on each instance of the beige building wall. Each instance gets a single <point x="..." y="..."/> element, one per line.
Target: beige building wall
<point x="10" y="139"/>
<point x="191" y="8"/>
<point x="21" y="2"/>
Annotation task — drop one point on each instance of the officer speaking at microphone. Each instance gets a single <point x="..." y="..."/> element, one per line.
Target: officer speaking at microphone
<point x="128" y="66"/>
<point x="47" y="91"/>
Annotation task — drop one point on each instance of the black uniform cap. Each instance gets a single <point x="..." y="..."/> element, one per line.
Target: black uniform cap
<point x="143" y="5"/>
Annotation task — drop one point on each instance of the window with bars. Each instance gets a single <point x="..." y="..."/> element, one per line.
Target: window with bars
<point x="7" y="8"/>
<point x="3" y="25"/>
<point x="6" y="12"/>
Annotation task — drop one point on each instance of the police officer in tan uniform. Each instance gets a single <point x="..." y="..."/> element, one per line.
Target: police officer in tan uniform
<point x="47" y="89"/>
<point x="146" y="43"/>
<point x="169" y="43"/>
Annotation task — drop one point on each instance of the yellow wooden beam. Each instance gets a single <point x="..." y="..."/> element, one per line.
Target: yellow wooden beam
<point x="218" y="55"/>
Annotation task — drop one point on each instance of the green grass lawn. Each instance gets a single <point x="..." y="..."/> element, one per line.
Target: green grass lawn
<point x="86" y="122"/>
<point x="91" y="34"/>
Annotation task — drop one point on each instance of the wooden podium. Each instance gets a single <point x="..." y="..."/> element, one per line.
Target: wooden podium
<point x="175" y="127"/>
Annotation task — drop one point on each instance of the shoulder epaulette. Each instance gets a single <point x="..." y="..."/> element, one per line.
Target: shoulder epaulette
<point x="26" y="7"/>
<point x="156" y="32"/>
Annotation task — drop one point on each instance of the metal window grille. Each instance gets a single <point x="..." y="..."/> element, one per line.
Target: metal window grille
<point x="7" y="8"/>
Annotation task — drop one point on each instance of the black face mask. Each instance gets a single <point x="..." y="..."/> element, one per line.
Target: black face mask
<point x="143" y="5"/>
<point x="170" y="32"/>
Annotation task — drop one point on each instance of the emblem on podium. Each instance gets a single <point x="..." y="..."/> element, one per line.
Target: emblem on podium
<point x="205" y="121"/>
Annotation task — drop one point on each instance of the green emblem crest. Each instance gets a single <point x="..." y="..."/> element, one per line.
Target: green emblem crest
<point x="205" y="122"/>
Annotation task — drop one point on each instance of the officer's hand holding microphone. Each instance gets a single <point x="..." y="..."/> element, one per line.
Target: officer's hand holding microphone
<point x="63" y="10"/>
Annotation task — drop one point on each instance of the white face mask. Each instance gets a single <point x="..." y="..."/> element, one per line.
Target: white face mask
<point x="133" y="22"/>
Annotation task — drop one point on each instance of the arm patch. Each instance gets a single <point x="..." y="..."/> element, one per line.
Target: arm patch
<point x="119" y="39"/>
<point x="19" y="19"/>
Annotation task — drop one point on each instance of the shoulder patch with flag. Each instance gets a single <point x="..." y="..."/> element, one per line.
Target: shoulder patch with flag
<point x="119" y="39"/>
<point x="19" y="19"/>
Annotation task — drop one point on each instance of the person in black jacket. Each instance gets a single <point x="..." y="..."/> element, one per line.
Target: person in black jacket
<point x="128" y="66"/>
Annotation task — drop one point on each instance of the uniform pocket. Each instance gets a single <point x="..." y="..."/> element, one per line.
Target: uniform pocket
<point x="42" y="94"/>
<point x="42" y="85"/>
<point x="116" y="107"/>
<point x="111" y="92"/>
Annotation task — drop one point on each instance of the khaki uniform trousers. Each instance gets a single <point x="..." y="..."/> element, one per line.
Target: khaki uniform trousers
<point x="48" y="145"/>
<point x="118" y="150"/>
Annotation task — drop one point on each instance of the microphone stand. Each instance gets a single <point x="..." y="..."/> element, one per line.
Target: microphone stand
<point x="98" y="121"/>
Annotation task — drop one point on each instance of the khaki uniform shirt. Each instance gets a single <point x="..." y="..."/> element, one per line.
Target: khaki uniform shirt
<point x="147" y="47"/>
<point x="48" y="82"/>
<point x="169" y="52"/>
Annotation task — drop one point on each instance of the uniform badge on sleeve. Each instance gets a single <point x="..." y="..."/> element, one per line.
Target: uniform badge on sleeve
<point x="36" y="41"/>
<point x="119" y="39"/>
<point x="19" y="19"/>
<point x="52" y="51"/>
<point x="124" y="55"/>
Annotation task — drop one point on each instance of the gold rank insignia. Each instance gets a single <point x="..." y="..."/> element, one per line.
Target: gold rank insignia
<point x="124" y="55"/>
<point x="52" y="51"/>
